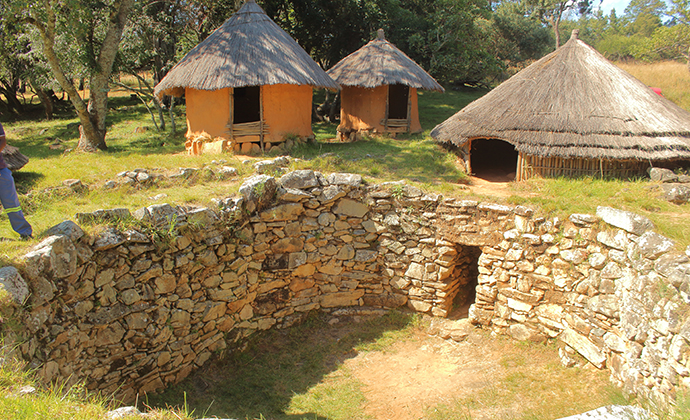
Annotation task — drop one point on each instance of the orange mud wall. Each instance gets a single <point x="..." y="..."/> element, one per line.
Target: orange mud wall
<point x="209" y="111"/>
<point x="287" y="110"/>
<point x="364" y="109"/>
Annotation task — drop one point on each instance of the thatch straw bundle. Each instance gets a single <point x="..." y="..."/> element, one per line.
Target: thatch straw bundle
<point x="249" y="49"/>
<point x="573" y="103"/>
<point x="381" y="63"/>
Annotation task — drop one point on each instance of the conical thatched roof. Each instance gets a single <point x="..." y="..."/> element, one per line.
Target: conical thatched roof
<point x="381" y="63"/>
<point x="575" y="103"/>
<point x="249" y="49"/>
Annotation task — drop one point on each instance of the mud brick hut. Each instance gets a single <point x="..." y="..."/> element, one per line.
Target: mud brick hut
<point x="571" y="113"/>
<point x="379" y="90"/>
<point x="248" y="85"/>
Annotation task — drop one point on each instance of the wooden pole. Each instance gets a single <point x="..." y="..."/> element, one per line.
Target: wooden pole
<point x="261" y="117"/>
<point x="409" y="108"/>
<point x="385" y="121"/>
<point x="231" y="118"/>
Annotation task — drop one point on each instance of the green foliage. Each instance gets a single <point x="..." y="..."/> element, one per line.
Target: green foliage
<point x="516" y="37"/>
<point x="666" y="43"/>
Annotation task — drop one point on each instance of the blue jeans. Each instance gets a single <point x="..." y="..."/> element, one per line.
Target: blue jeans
<point x="10" y="202"/>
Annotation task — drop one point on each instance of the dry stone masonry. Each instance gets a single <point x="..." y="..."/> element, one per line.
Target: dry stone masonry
<point x="133" y="310"/>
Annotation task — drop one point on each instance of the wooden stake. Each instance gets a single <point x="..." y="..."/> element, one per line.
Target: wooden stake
<point x="261" y="117"/>
<point x="409" y="108"/>
<point x="385" y="122"/>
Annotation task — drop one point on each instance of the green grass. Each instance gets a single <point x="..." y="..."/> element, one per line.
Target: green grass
<point x="562" y="197"/>
<point x="294" y="373"/>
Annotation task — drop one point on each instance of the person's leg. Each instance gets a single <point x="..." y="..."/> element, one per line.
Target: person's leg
<point x="10" y="202"/>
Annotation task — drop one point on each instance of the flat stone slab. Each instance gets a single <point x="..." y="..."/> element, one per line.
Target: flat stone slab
<point x="630" y="222"/>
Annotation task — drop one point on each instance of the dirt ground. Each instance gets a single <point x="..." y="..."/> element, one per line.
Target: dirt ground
<point x="415" y="375"/>
<point x="450" y="362"/>
<point x="482" y="186"/>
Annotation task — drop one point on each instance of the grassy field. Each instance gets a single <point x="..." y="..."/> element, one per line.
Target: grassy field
<point x="671" y="77"/>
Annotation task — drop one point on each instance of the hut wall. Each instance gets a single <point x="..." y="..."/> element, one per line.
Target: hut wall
<point x="287" y="110"/>
<point x="207" y="110"/>
<point x="552" y="167"/>
<point x="364" y="109"/>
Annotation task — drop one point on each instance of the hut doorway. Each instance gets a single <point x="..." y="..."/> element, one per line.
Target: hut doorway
<point x="398" y="98"/>
<point x="246" y="104"/>
<point x="493" y="160"/>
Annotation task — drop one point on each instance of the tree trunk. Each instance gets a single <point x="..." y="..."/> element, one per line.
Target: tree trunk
<point x="9" y="89"/>
<point x="160" y="113"/>
<point x="335" y="107"/>
<point x="46" y="102"/>
<point x="556" y="23"/>
<point x="97" y="109"/>
<point x="98" y="97"/>
<point x="173" y="126"/>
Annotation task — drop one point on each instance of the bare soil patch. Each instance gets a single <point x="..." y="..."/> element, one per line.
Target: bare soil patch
<point x="481" y="375"/>
<point x="493" y="188"/>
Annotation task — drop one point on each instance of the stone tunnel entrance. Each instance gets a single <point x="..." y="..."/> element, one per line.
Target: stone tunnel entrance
<point x="459" y="274"/>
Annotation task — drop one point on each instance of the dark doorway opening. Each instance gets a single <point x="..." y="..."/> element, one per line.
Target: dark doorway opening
<point x="462" y="289"/>
<point x="397" y="102"/>
<point x="493" y="160"/>
<point x="247" y="104"/>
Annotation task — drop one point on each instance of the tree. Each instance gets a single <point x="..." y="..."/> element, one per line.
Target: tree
<point x="515" y="36"/>
<point x="95" y="28"/>
<point x="671" y="41"/>
<point x="644" y="16"/>
<point x="12" y="66"/>
<point x="550" y="12"/>
<point x="443" y="36"/>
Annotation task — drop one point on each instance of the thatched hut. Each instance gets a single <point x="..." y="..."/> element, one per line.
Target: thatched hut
<point x="248" y="83"/>
<point x="379" y="90"/>
<point x="571" y="113"/>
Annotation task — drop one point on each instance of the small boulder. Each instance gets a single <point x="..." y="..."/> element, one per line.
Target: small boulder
<point x="676" y="193"/>
<point x="630" y="222"/>
<point x="300" y="180"/>
<point x="12" y="282"/>
<point x="67" y="228"/>
<point x="662" y="175"/>
<point x="258" y="192"/>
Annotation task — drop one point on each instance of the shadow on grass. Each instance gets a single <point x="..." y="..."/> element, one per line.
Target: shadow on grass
<point x="33" y="136"/>
<point x="276" y="366"/>
<point x="414" y="159"/>
<point x="25" y="181"/>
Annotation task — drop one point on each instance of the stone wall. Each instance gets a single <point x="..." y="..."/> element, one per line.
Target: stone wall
<point x="133" y="310"/>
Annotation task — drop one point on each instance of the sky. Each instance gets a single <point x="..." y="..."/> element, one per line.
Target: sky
<point x="619" y="5"/>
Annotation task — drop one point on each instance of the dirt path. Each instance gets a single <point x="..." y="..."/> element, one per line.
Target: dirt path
<point x="490" y="188"/>
<point x="416" y="376"/>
